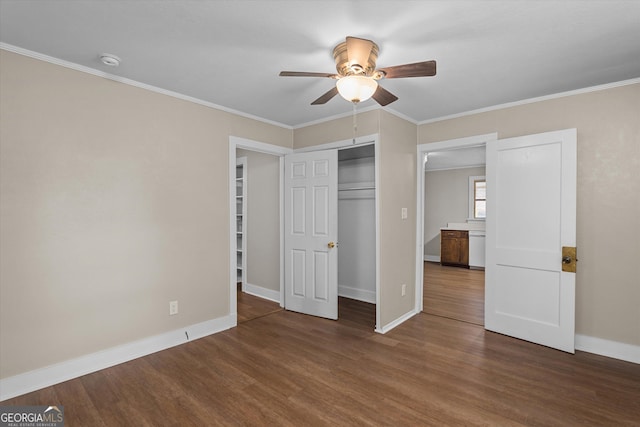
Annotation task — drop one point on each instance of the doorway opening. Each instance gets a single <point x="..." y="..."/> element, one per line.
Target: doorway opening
<point x="357" y="177"/>
<point x="257" y="228"/>
<point x="240" y="210"/>
<point x="451" y="229"/>
<point x="357" y="232"/>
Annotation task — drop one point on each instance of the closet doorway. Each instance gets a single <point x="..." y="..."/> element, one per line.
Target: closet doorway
<point x="257" y="228"/>
<point x="357" y="230"/>
<point x="357" y="224"/>
<point x="358" y="240"/>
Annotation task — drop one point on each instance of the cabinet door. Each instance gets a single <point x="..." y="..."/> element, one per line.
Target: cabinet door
<point x="448" y="248"/>
<point x="463" y="249"/>
<point x="454" y="247"/>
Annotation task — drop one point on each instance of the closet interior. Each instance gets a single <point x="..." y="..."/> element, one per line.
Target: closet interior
<point x="357" y="223"/>
<point x="241" y="221"/>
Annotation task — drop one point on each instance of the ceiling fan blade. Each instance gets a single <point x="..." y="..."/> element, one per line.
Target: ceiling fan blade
<point x="419" y="69"/>
<point x="358" y="51"/>
<point x="383" y="96"/>
<point x="306" y="74"/>
<point x="326" y="97"/>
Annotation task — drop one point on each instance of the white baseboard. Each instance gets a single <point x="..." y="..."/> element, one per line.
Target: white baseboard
<point x="259" y="291"/>
<point x="432" y="258"/>
<point x="357" y="294"/>
<point x="614" y="349"/>
<point x="64" y="371"/>
<point x="389" y="326"/>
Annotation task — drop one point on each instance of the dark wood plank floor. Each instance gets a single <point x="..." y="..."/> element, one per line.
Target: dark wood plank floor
<point x="291" y="369"/>
<point x="454" y="292"/>
<point x="251" y="307"/>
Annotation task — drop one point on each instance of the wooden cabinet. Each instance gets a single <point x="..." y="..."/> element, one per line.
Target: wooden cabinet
<point x="454" y="248"/>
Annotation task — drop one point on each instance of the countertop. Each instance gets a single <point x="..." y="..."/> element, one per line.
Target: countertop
<point x="463" y="226"/>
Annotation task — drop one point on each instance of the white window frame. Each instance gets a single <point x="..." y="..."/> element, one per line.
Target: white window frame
<point x="472" y="194"/>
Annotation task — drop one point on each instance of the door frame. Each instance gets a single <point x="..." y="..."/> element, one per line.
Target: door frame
<point x="373" y="139"/>
<point x="265" y="148"/>
<point x="423" y="149"/>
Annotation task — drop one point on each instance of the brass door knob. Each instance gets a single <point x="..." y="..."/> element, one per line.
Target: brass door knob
<point x="331" y="245"/>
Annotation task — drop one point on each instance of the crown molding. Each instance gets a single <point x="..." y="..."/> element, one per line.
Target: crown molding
<point x="130" y="82"/>
<point x="532" y="100"/>
<point x="99" y="73"/>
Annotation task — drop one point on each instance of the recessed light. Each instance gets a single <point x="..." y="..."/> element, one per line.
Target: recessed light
<point x="110" y="60"/>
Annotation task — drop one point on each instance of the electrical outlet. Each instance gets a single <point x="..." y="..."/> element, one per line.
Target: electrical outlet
<point x="404" y="289"/>
<point x="403" y="213"/>
<point x="173" y="308"/>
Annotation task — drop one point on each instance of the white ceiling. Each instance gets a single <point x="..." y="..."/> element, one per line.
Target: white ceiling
<point x="229" y="53"/>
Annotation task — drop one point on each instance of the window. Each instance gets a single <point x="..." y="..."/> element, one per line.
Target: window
<point x="477" y="197"/>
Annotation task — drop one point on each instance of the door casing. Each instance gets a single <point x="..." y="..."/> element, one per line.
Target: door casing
<point x="262" y="147"/>
<point x="451" y="144"/>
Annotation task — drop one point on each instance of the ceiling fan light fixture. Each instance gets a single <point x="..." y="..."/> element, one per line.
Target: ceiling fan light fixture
<point x="356" y="88"/>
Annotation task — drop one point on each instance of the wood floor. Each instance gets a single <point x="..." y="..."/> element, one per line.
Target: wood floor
<point x="454" y="292"/>
<point x="291" y="369"/>
<point x="251" y="307"/>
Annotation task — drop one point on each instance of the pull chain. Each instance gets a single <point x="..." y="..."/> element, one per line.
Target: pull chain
<point x="355" y="126"/>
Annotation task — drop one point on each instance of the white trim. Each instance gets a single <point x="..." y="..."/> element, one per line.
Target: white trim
<point x="349" y="143"/>
<point x="451" y="144"/>
<point x="448" y="168"/>
<point x="99" y="73"/>
<point x="533" y="100"/>
<point x="265" y="148"/>
<point x="614" y="349"/>
<point x="260" y="147"/>
<point x="389" y="326"/>
<point x="336" y="117"/>
<point x="264" y="293"/>
<point x="281" y="195"/>
<point x="471" y="196"/>
<point x="357" y="294"/>
<point x="432" y="258"/>
<point x="73" y="368"/>
<point x="345" y="143"/>
<point x="350" y="113"/>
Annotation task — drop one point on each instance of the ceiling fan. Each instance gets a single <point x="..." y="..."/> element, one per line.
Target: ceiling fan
<point x="357" y="77"/>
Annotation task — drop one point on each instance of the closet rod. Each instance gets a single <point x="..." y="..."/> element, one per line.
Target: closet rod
<point x="356" y="188"/>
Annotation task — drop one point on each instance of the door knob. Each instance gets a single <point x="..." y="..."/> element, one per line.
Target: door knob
<point x="569" y="258"/>
<point x="331" y="245"/>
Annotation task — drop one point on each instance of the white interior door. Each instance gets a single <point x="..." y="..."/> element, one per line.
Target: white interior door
<point x="311" y="231"/>
<point x="531" y="215"/>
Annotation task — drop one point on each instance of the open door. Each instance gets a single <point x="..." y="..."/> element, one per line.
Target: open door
<point x="531" y="216"/>
<point x="311" y="231"/>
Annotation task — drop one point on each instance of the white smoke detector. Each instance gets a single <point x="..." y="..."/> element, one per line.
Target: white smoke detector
<point x="109" y="59"/>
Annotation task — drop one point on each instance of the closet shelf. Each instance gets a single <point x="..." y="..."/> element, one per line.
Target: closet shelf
<point x="350" y="186"/>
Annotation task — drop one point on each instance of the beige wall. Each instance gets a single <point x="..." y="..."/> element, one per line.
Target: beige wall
<point x="608" y="205"/>
<point x="367" y="123"/>
<point x="397" y="189"/>
<point x="446" y="195"/>
<point x="113" y="202"/>
<point x="263" y="219"/>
